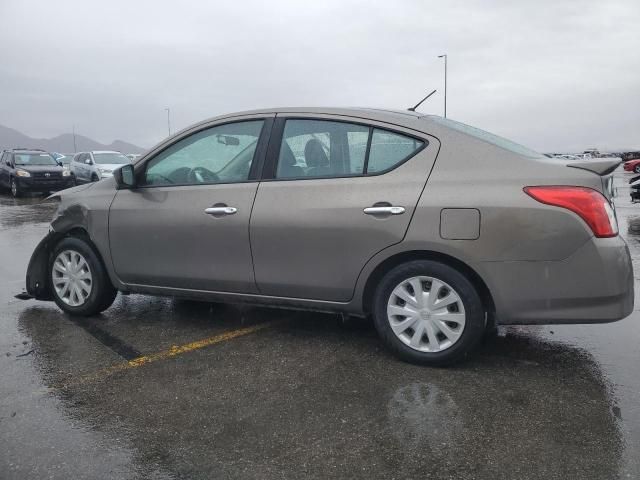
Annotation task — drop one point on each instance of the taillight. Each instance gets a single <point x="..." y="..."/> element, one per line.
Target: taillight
<point x="587" y="203"/>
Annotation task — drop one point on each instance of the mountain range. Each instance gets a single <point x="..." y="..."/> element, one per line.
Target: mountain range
<point x="10" y="138"/>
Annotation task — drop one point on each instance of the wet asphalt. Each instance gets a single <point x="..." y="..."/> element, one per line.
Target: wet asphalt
<point x="267" y="393"/>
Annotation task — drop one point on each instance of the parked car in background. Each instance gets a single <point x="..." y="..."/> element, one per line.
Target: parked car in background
<point x="32" y="170"/>
<point x="96" y="165"/>
<point x="65" y="159"/>
<point x="359" y="211"/>
<point x="629" y="156"/>
<point x="632" y="166"/>
<point x="565" y="156"/>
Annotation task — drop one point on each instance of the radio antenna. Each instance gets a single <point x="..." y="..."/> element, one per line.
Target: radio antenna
<point x="413" y="109"/>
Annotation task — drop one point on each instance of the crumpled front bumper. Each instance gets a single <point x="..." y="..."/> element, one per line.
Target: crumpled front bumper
<point x="38" y="284"/>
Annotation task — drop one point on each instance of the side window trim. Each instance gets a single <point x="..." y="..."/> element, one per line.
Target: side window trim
<point x="275" y="143"/>
<point x="368" y="151"/>
<point x="257" y="162"/>
<point x="273" y="150"/>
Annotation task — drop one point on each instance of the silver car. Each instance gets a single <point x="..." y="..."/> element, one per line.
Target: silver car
<point x="436" y="229"/>
<point x="96" y="165"/>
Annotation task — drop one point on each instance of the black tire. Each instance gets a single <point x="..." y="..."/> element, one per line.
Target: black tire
<point x="102" y="292"/>
<point x="636" y="169"/>
<point x="474" y="326"/>
<point x="15" y="188"/>
<point x="94" y="178"/>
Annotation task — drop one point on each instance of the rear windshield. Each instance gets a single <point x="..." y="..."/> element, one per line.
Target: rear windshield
<point x="487" y="137"/>
<point x="33" y="159"/>
<point x="110" y="158"/>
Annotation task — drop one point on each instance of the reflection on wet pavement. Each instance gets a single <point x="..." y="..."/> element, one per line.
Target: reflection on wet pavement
<point x="35" y="210"/>
<point x="305" y="397"/>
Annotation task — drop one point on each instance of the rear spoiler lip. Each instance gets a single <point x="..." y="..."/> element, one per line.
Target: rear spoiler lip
<point x="602" y="167"/>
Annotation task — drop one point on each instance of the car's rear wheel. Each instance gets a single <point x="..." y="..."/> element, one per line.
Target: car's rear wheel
<point x="637" y="168"/>
<point x="428" y="313"/>
<point x="15" y="188"/>
<point x="79" y="282"/>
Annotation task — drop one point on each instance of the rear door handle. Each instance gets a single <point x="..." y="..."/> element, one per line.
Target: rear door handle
<point x="220" y="211"/>
<point x="391" y="210"/>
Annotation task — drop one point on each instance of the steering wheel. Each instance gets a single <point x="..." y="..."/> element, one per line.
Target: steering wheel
<point x="202" y="175"/>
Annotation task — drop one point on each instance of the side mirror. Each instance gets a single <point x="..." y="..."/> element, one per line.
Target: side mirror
<point x="88" y="161"/>
<point x="59" y="163"/>
<point x="8" y="162"/>
<point x="124" y="176"/>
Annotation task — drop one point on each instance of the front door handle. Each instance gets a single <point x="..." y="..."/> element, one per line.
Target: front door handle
<point x="220" y="211"/>
<point x="390" y="210"/>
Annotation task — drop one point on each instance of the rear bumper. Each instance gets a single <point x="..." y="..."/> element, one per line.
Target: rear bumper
<point x="44" y="184"/>
<point x="594" y="285"/>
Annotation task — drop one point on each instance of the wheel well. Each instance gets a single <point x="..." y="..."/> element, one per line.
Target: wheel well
<point x="395" y="260"/>
<point x="78" y="232"/>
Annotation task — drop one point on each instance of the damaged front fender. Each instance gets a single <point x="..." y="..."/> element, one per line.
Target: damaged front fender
<point x="38" y="284"/>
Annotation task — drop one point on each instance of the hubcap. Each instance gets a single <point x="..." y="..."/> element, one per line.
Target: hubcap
<point x="71" y="278"/>
<point x="426" y="314"/>
<point x="14" y="187"/>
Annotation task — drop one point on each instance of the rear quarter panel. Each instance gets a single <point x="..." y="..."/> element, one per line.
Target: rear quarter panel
<point x="473" y="174"/>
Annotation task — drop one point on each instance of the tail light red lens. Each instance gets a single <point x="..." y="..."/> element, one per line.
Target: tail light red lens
<point x="588" y="204"/>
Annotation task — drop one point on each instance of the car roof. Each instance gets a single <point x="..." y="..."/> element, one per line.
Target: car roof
<point x="28" y="150"/>
<point x="103" y="151"/>
<point x="364" y="112"/>
<point x="404" y="118"/>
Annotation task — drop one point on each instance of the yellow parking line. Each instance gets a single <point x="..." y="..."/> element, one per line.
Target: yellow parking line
<point x="174" y="351"/>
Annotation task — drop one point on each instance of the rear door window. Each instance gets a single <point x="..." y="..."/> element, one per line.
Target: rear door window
<point x="320" y="148"/>
<point x="324" y="148"/>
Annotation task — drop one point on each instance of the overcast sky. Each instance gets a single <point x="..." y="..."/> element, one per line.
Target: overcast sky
<point x="551" y="74"/>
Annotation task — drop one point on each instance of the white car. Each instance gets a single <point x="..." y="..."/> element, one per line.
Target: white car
<point x="96" y="165"/>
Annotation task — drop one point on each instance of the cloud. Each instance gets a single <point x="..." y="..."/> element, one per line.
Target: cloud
<point x="555" y="75"/>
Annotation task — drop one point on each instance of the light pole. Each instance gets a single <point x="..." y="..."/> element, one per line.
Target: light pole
<point x="168" y="120"/>
<point x="445" y="83"/>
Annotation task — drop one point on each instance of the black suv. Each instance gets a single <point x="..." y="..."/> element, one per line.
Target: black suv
<point x="32" y="170"/>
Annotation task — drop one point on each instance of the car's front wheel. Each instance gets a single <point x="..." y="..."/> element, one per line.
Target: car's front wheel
<point x="637" y="168"/>
<point x="15" y="188"/>
<point x="79" y="282"/>
<point x="428" y="313"/>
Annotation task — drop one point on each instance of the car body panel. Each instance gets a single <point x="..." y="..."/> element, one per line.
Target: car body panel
<point x="527" y="254"/>
<point x="197" y="250"/>
<point x="310" y="237"/>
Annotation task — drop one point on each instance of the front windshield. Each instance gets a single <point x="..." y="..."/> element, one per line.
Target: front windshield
<point x="487" y="137"/>
<point x="33" y="159"/>
<point x="110" y="158"/>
